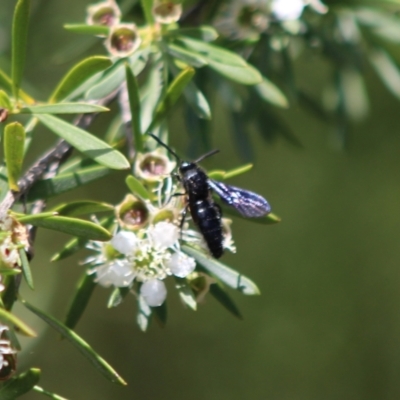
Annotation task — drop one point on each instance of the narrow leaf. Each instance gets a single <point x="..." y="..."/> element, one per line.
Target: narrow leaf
<point x="147" y="6"/>
<point x="26" y="269"/>
<point x="5" y="101"/>
<point x="144" y="314"/>
<point x="203" y="33"/>
<point x="66" y="181"/>
<point x="238" y="171"/>
<point x="7" y="85"/>
<point x="87" y="29"/>
<point x="71" y="247"/>
<point x="222" y="272"/>
<point x="197" y="101"/>
<point x="64" y="108"/>
<point x="79" y="74"/>
<point x="83" y="347"/>
<point x="187" y="56"/>
<point x="161" y="314"/>
<point x="19" y="43"/>
<point x="117" y="296"/>
<point x="53" y="396"/>
<point x="83" y="293"/>
<point x="14" y="139"/>
<point x="268" y="219"/>
<point x="223" y="298"/>
<point x="83" y="141"/>
<point x="186" y="293"/>
<point x="269" y="92"/>
<point x="11" y="319"/>
<point x="134" y="103"/>
<point x="71" y="226"/>
<point x="137" y="188"/>
<point x="82" y="207"/>
<point x="173" y="93"/>
<point x="20" y="384"/>
<point x="247" y="75"/>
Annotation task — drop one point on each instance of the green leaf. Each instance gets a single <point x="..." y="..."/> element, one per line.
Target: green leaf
<point x="223" y="298"/>
<point x="117" y="296"/>
<point x="222" y="272"/>
<point x="79" y="74"/>
<point x="172" y="94"/>
<point x="71" y="247"/>
<point x="197" y="101"/>
<point x="137" y="188"/>
<point x="144" y="314"/>
<point x="9" y="271"/>
<point x="269" y="92"/>
<point x="83" y="347"/>
<point x="221" y="175"/>
<point x="10" y="293"/>
<point x="82" y="207"/>
<point x="147" y="6"/>
<point x="247" y="75"/>
<point x="6" y="83"/>
<point x="12" y="320"/>
<point x="187" y="56"/>
<point x="186" y="293"/>
<point x="203" y="33"/>
<point x="161" y="314"/>
<point x="88" y="29"/>
<point x="134" y="103"/>
<point x="5" y="101"/>
<point x="83" y="141"/>
<point x="14" y="139"/>
<point x="46" y="188"/>
<point x="53" y="396"/>
<point x="64" y="108"/>
<point x="26" y="269"/>
<point x="20" y="384"/>
<point x="71" y="226"/>
<point x="83" y="292"/>
<point x="268" y="219"/>
<point x="19" y="43"/>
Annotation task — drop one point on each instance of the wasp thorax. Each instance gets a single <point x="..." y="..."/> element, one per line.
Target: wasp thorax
<point x="132" y="213"/>
<point x="106" y="13"/>
<point x="123" y="40"/>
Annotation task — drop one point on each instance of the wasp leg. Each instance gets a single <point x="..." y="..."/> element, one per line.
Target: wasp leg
<point x="184" y="212"/>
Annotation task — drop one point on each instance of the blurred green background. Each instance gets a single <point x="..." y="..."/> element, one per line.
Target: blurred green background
<point x="327" y="324"/>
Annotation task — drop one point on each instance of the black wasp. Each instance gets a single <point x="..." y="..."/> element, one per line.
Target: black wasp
<point x="206" y="214"/>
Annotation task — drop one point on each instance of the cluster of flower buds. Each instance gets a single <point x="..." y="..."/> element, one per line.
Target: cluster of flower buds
<point x="8" y="356"/>
<point x="124" y="39"/>
<point x="147" y="245"/>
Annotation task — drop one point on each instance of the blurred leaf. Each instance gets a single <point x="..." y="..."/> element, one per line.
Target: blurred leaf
<point x="10" y="293"/>
<point x="12" y="320"/>
<point x="26" y="269"/>
<point x="117" y="296"/>
<point x="115" y="131"/>
<point x="186" y="293"/>
<point x="197" y="101"/>
<point x="218" y="175"/>
<point x="203" y="33"/>
<point x="19" y="43"/>
<point x="53" y="396"/>
<point x="144" y="314"/>
<point x="5" y="101"/>
<point x="134" y="103"/>
<point x="387" y="70"/>
<point x="83" y="347"/>
<point x="80" y="300"/>
<point x="238" y="171"/>
<point x="271" y="93"/>
<point x="87" y="29"/>
<point x="14" y="139"/>
<point x="147" y="6"/>
<point x="20" y="384"/>
<point x="225" y="274"/>
<point x="71" y="226"/>
<point x="172" y="94"/>
<point x="313" y="105"/>
<point x="189" y="57"/>
<point x="9" y="271"/>
<point x="64" y="108"/>
<point x="223" y="298"/>
<point x="6" y="84"/>
<point x="71" y="247"/>
<point x="82" y="207"/>
<point x="83" y="141"/>
<point x="240" y="137"/>
<point x="46" y="188"/>
<point x="247" y="75"/>
<point x="137" y="188"/>
<point x="268" y="219"/>
<point x="78" y="74"/>
<point x="161" y="314"/>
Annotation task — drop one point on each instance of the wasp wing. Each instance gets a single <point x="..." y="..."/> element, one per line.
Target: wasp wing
<point x="249" y="204"/>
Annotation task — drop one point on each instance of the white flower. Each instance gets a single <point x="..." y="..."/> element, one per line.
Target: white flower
<point x="5" y="347"/>
<point x="287" y="10"/>
<point x="163" y="234"/>
<point x="123" y="40"/>
<point x="166" y="12"/>
<point x="125" y="242"/>
<point x="181" y="265"/>
<point x="117" y="272"/>
<point x="154" y="292"/>
<point x="104" y="13"/>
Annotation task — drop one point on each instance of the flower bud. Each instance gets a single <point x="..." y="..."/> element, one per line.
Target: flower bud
<point x="166" y="12"/>
<point x="163" y="234"/>
<point x="123" y="40"/>
<point x="181" y="265"/>
<point x="125" y="242"/>
<point x="152" y="166"/>
<point x="154" y="292"/>
<point x="106" y="13"/>
<point x="132" y="213"/>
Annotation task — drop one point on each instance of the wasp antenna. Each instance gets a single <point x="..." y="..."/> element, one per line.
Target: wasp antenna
<point x="158" y="140"/>
<point x="210" y="153"/>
